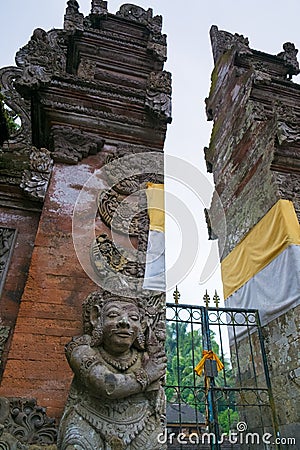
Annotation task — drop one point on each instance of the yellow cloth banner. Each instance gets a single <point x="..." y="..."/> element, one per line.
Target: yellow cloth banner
<point x="278" y="229"/>
<point x="208" y="354"/>
<point x="156" y="206"/>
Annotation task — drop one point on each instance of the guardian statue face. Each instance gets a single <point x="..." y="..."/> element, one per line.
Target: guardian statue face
<point x="121" y="325"/>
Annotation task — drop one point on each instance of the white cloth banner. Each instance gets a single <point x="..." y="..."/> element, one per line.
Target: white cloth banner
<point x="272" y="291"/>
<point x="155" y="262"/>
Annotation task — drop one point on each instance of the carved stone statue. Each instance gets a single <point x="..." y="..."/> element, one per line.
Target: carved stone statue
<point x="116" y="401"/>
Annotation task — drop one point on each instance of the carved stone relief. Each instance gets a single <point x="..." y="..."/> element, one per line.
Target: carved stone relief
<point x="7" y="240"/>
<point x="86" y="69"/>
<point x="223" y="40"/>
<point x="25" y="423"/>
<point x="286" y="113"/>
<point x="112" y="261"/>
<point x="289" y="56"/>
<point x="43" y="57"/>
<point x="138" y="14"/>
<point x="288" y="187"/>
<point x="288" y="133"/>
<point x="8" y="77"/>
<point x="116" y="399"/>
<point x="136" y="161"/>
<point x="157" y="44"/>
<point x="99" y="7"/>
<point x="35" y="180"/>
<point x="120" y="214"/>
<point x="73" y="18"/>
<point x="123" y="208"/>
<point x="4" y="333"/>
<point x="70" y="144"/>
<point x="158" y="95"/>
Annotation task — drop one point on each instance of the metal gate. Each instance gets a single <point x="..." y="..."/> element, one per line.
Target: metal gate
<point x="229" y="408"/>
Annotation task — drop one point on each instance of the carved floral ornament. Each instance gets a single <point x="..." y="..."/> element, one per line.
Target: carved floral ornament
<point x="23" y="423"/>
<point x="131" y="166"/>
<point x="123" y="208"/>
<point x="35" y="180"/>
<point x="71" y="144"/>
<point x="158" y="95"/>
<point x="7" y="242"/>
<point x="120" y="214"/>
<point x="112" y="262"/>
<point x="74" y="20"/>
<point x="138" y="14"/>
<point x="42" y="58"/>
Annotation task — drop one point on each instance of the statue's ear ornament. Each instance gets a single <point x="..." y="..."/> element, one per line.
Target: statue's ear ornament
<point x="140" y="341"/>
<point x="97" y="336"/>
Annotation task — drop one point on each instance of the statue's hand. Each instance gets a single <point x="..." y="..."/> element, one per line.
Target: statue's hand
<point x="155" y="366"/>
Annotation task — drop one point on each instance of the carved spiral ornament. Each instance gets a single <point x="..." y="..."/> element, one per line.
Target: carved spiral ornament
<point x="121" y="215"/>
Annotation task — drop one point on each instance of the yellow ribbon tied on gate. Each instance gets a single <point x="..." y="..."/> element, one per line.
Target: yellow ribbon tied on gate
<point x="208" y="354"/>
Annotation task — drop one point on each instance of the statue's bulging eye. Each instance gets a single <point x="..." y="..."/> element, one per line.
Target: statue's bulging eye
<point x="134" y="317"/>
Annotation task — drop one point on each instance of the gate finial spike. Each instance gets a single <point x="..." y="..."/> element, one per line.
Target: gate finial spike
<point x="206" y="299"/>
<point x="216" y="299"/>
<point x="176" y="295"/>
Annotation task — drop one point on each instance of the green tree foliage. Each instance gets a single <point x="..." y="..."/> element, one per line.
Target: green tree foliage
<point x="182" y="359"/>
<point x="228" y="418"/>
<point x="8" y="121"/>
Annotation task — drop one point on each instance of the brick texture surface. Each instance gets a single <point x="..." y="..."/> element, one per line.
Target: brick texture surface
<point x="50" y="310"/>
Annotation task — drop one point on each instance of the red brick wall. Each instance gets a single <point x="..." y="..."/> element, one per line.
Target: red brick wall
<point x="50" y="311"/>
<point x="26" y="223"/>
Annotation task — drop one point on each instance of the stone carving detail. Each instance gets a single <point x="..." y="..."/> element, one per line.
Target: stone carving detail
<point x="86" y="69"/>
<point x="158" y="95"/>
<point x="288" y="187"/>
<point x="289" y="56"/>
<point x="127" y="170"/>
<point x="157" y="44"/>
<point x="116" y="400"/>
<point x="99" y="7"/>
<point x="110" y="259"/>
<point x="7" y="239"/>
<point x="120" y="214"/>
<point x="73" y="19"/>
<point x="160" y="81"/>
<point x="17" y="103"/>
<point x="138" y="14"/>
<point x="261" y="75"/>
<point x="70" y="144"/>
<point x="4" y="333"/>
<point x="285" y="113"/>
<point x="258" y="110"/>
<point x="41" y="58"/>
<point x="288" y="133"/>
<point x="35" y="180"/>
<point x="135" y="160"/>
<point x="223" y="40"/>
<point x="26" y="422"/>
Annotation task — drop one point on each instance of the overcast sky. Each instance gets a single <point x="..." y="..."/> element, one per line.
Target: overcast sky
<point x="267" y="24"/>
